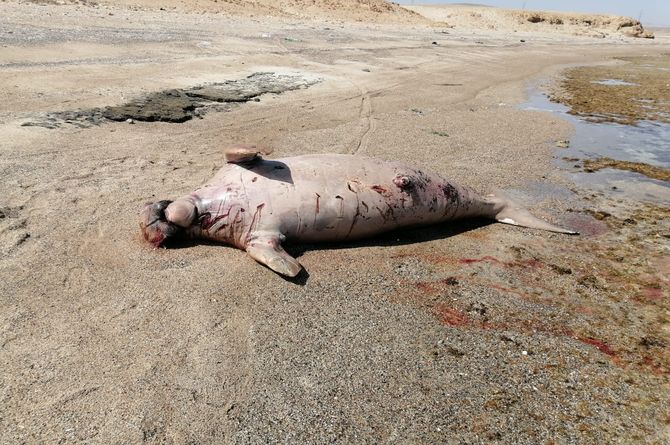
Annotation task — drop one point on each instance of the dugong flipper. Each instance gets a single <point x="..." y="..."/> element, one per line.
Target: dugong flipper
<point x="256" y="204"/>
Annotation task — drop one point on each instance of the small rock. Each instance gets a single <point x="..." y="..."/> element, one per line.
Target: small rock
<point x="563" y="144"/>
<point x="434" y="43"/>
<point x="455" y="352"/>
<point x="590" y="281"/>
<point x="130" y="121"/>
<point x="560" y="269"/>
<point x="650" y="342"/>
<point x="600" y="214"/>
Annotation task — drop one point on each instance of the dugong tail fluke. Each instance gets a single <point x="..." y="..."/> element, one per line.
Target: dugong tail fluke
<point x="507" y="211"/>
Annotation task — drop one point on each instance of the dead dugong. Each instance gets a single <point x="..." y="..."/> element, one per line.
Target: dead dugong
<point x="256" y="204"/>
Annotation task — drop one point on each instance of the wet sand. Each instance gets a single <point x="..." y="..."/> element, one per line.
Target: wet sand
<point x="470" y="332"/>
<point x="630" y="91"/>
<point x="651" y="171"/>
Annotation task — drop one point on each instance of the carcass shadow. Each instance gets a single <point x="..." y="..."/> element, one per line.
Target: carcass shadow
<point x="399" y="237"/>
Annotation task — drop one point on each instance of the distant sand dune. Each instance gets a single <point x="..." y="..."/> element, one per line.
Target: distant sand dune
<point x="498" y="19"/>
<point x="468" y="16"/>
<point x="374" y="11"/>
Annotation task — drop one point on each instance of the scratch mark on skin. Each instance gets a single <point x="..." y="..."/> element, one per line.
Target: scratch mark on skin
<point x="220" y="217"/>
<point x="340" y="212"/>
<point x="206" y="220"/>
<point x="218" y="212"/>
<point x="353" y="223"/>
<point x="255" y="220"/>
<point x="388" y="214"/>
<point x="381" y="213"/>
<point x="297" y="214"/>
<point x="358" y="210"/>
<point x="244" y="190"/>
<point x="317" y="209"/>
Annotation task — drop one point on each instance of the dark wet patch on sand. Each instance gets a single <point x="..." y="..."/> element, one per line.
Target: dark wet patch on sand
<point x="9" y="212"/>
<point x="180" y="105"/>
<point x="650" y="171"/>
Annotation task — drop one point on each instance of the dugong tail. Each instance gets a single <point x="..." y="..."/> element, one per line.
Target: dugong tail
<point x="507" y="211"/>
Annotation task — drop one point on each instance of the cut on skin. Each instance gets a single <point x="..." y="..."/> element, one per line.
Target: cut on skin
<point x="256" y="204"/>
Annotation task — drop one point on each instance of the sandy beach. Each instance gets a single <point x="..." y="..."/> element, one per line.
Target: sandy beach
<point x="467" y="333"/>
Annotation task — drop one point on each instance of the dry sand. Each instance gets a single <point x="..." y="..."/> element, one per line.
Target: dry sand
<point x="461" y="334"/>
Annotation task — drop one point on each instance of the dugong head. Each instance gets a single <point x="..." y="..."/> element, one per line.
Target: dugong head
<point x="155" y="226"/>
<point x="163" y="220"/>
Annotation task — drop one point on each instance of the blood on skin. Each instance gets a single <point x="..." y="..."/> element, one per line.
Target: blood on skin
<point x="157" y="239"/>
<point x="382" y="191"/>
<point x="206" y="220"/>
<point x="340" y="213"/>
<point x="255" y="220"/>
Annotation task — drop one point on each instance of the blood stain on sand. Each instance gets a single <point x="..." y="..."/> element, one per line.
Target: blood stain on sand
<point x="598" y="344"/>
<point x="652" y="293"/>
<point x="533" y="263"/>
<point x="585" y="224"/>
<point x="450" y="316"/>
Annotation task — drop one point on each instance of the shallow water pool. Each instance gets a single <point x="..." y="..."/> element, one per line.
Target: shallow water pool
<point x="647" y="142"/>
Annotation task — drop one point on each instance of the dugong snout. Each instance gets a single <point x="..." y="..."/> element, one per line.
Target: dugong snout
<point x="155" y="226"/>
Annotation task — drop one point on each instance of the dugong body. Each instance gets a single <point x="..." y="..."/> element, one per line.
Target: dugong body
<point x="256" y="204"/>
